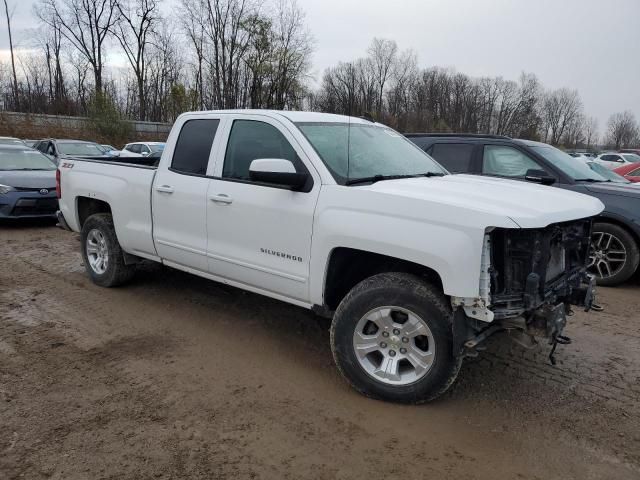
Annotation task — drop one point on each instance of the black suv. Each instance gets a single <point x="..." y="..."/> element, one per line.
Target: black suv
<point x="614" y="254"/>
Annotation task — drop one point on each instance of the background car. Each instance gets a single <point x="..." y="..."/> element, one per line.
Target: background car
<point x="71" y="148"/>
<point x="110" y="150"/>
<point x="27" y="183"/>
<point x="11" y="141"/>
<point x="615" y="248"/>
<point x="583" y="155"/>
<point x="614" y="160"/>
<point x="141" y="149"/>
<point x="610" y="175"/>
<point x="630" y="171"/>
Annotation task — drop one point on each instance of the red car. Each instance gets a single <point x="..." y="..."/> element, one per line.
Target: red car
<point x="630" y="171"/>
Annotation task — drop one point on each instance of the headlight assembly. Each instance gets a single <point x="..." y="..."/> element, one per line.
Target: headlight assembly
<point x="5" y="189"/>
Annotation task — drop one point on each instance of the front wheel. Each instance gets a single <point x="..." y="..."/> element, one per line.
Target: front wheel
<point x="391" y="339"/>
<point x="613" y="254"/>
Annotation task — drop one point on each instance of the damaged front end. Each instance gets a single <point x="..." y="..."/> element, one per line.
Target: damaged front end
<point x="529" y="280"/>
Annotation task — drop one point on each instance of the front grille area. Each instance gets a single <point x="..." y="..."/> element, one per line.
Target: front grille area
<point x="35" y="206"/>
<point x="533" y="266"/>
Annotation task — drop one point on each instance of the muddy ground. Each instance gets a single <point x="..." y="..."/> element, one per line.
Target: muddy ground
<point x="177" y="377"/>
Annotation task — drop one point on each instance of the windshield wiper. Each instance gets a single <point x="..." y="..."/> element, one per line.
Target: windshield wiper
<point x="378" y="178"/>
<point x="592" y="180"/>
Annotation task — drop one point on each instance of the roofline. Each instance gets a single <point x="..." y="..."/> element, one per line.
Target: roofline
<point x="456" y="135"/>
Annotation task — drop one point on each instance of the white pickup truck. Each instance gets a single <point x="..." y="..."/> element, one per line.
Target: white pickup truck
<point x="348" y="218"/>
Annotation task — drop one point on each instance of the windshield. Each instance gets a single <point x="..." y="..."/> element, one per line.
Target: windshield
<point x="26" y="159"/>
<point x="373" y="150"/>
<point x="575" y="169"/>
<point x="157" y="147"/>
<point x="606" y="173"/>
<point x="77" y="148"/>
<point x="631" y="157"/>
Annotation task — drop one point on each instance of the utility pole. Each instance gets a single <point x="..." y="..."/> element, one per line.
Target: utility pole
<point x="13" y="62"/>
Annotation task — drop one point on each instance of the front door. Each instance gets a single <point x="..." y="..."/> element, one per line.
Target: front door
<point x="260" y="235"/>
<point x="179" y="196"/>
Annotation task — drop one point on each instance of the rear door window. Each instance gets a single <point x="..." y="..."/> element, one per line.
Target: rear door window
<point x="505" y="161"/>
<point x="191" y="155"/>
<point x="455" y="157"/>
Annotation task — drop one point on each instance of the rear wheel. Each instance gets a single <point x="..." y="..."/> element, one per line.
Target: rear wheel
<point x="613" y="254"/>
<point x="391" y="339"/>
<point x="103" y="257"/>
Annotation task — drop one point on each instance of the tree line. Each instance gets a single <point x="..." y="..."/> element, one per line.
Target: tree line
<point x="221" y="54"/>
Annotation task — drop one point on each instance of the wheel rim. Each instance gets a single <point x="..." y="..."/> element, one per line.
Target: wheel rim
<point x="394" y="345"/>
<point x="607" y="255"/>
<point x="97" y="251"/>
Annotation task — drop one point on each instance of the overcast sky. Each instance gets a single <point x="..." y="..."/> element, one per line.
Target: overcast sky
<point x="591" y="45"/>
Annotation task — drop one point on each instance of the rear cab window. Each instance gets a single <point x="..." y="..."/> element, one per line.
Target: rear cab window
<point x="193" y="148"/>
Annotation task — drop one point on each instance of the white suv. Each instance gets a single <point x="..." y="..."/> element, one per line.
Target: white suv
<point x="141" y="149"/>
<point x="613" y="160"/>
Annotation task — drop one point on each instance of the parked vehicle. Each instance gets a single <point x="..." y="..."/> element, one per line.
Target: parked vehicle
<point x="416" y="267"/>
<point x="141" y="149"/>
<point x="27" y="183"/>
<point x="11" y="141"/>
<point x="630" y="150"/>
<point x="615" y="160"/>
<point x="630" y="171"/>
<point x="614" y="255"/>
<point x="110" y="150"/>
<point x="607" y="174"/>
<point x="583" y="155"/>
<point x="57" y="149"/>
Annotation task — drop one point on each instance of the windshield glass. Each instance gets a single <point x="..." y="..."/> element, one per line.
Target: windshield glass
<point x="373" y="150"/>
<point x="606" y="173"/>
<point x="574" y="168"/>
<point x="77" y="148"/>
<point x="631" y="157"/>
<point x="157" y="148"/>
<point x="26" y="159"/>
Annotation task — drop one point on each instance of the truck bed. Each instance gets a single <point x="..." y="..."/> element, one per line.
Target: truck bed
<point x="126" y="187"/>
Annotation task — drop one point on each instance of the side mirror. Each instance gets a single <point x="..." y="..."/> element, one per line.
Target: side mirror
<point x="539" y="176"/>
<point x="277" y="171"/>
<point x="144" y="154"/>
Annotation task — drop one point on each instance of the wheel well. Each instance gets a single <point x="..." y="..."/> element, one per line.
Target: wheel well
<point x="615" y="221"/>
<point x="348" y="267"/>
<point x="89" y="206"/>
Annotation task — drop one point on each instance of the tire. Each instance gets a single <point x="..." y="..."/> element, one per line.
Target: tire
<point x="603" y="257"/>
<point x="413" y="298"/>
<point x="98" y="233"/>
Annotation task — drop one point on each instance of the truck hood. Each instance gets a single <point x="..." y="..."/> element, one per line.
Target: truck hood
<point x="528" y="205"/>
<point x="29" y="178"/>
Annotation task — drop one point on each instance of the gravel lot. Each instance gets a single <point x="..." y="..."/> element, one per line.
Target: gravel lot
<point x="174" y="376"/>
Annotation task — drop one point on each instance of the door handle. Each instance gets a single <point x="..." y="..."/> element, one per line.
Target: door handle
<point x="164" y="188"/>
<point x="221" y="198"/>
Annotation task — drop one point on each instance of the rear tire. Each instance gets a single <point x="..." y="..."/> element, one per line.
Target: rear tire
<point x="102" y="254"/>
<point x="609" y="243"/>
<point x="412" y="367"/>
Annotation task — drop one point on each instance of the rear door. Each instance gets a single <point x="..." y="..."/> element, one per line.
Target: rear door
<point x="260" y="235"/>
<point x="179" y="194"/>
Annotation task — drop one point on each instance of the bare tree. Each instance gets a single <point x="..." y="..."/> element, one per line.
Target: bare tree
<point x="559" y="109"/>
<point x="622" y="129"/>
<point x="591" y="132"/>
<point x="136" y="23"/>
<point x="13" y="62"/>
<point x="86" y="25"/>
<point x="383" y="56"/>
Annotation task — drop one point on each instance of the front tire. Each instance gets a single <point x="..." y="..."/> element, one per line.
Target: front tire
<point x="102" y="254"/>
<point x="613" y="254"/>
<point x="391" y="339"/>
